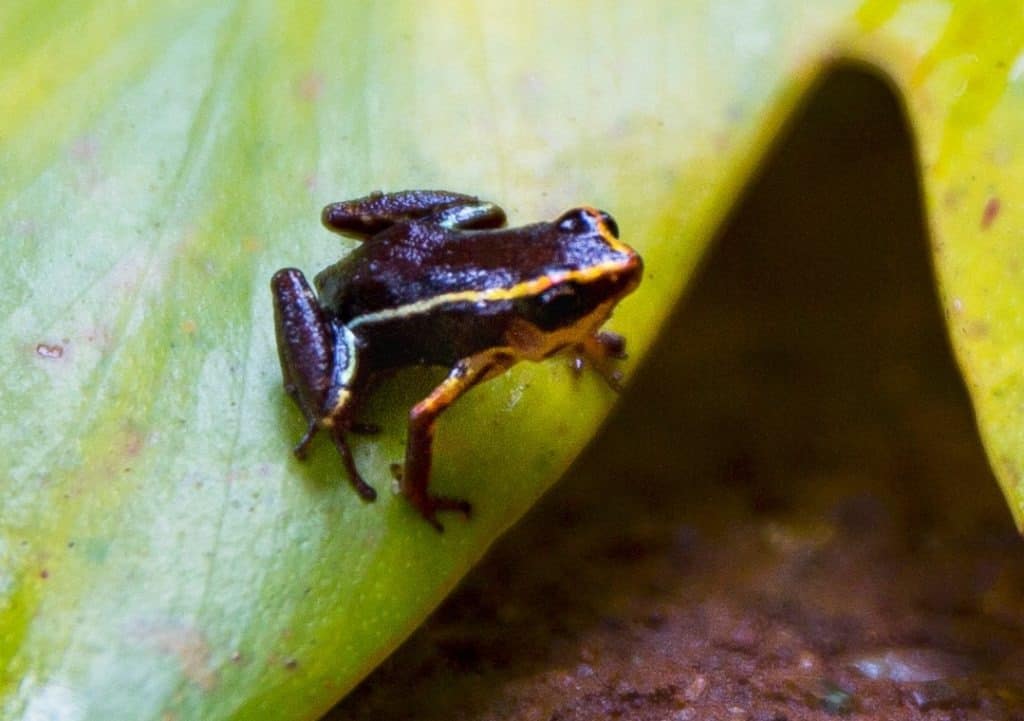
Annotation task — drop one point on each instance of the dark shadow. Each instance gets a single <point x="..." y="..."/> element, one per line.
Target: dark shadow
<point x="792" y="485"/>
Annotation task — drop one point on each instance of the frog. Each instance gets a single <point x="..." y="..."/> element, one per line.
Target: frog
<point x="438" y="279"/>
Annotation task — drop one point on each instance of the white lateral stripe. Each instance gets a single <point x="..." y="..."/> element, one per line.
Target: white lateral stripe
<point x="353" y="359"/>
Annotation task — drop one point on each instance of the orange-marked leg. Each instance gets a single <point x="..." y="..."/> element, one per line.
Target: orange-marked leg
<point x="419" y="449"/>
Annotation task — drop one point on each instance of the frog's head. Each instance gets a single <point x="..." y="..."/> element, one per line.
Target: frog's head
<point x="597" y="252"/>
<point x="587" y="271"/>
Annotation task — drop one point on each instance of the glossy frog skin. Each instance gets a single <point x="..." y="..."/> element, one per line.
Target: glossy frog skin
<point x="438" y="280"/>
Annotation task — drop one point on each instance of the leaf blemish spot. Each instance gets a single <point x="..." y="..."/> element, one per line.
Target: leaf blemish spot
<point x="188" y="646"/>
<point x="50" y="350"/>
<point x="85" y="149"/>
<point x="990" y="213"/>
<point x="133" y="442"/>
<point x="310" y="86"/>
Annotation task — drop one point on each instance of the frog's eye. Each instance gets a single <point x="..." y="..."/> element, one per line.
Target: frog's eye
<point x="577" y="220"/>
<point x="587" y="220"/>
<point x="609" y="223"/>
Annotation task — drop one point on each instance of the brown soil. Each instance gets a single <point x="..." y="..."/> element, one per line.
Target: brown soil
<point x="790" y="517"/>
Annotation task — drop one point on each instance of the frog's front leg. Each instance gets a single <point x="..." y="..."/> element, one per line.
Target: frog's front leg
<point x="367" y="216"/>
<point x="422" y="418"/>
<point x="601" y="350"/>
<point x="317" y="363"/>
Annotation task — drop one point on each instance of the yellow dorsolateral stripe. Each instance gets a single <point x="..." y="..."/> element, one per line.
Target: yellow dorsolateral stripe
<point x="616" y="244"/>
<point x="520" y="290"/>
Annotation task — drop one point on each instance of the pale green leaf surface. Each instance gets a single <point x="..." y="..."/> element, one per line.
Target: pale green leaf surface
<point x="161" y="554"/>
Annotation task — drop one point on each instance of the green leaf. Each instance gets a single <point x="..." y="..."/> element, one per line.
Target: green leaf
<point x="161" y="554"/>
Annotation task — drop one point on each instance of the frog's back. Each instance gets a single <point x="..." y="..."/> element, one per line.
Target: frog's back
<point x="418" y="263"/>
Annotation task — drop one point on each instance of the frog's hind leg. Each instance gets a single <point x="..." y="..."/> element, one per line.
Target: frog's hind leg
<point x="478" y="215"/>
<point x="317" y="362"/>
<point x="415" y="478"/>
<point x="363" y="217"/>
<point x="305" y="345"/>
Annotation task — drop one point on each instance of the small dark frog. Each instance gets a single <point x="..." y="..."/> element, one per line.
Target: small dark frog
<point x="439" y="281"/>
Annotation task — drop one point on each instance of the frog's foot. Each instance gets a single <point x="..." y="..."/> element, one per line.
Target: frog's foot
<point x="612" y="345"/>
<point x="600" y="351"/>
<point x="429" y="505"/>
<point x="302" y="447"/>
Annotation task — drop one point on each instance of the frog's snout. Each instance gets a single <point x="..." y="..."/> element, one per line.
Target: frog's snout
<point x="634" y="271"/>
